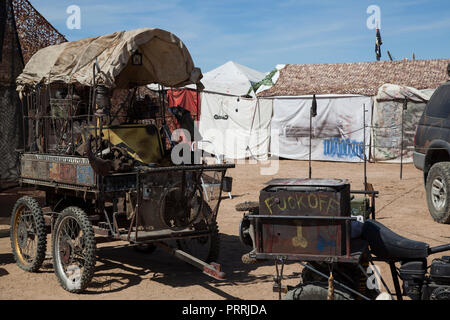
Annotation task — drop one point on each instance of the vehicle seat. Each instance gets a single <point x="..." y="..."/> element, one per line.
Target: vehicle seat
<point x="386" y="244"/>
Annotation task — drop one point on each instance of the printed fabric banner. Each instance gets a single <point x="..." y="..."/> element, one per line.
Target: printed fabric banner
<point x="337" y="130"/>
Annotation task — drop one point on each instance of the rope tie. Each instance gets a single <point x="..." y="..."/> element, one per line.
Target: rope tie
<point x="330" y="287"/>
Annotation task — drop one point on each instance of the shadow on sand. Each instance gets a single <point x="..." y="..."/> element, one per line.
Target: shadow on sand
<point x="121" y="267"/>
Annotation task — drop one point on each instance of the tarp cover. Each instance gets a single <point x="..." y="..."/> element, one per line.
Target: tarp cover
<point x="387" y="121"/>
<point x="337" y="130"/>
<point x="270" y="80"/>
<point x="237" y="128"/>
<point x="165" y="60"/>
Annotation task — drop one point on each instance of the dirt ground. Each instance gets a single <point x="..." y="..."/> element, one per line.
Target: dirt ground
<point x="122" y="273"/>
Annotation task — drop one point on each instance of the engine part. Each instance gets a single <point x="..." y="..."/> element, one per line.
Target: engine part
<point x="413" y="275"/>
<point x="440" y="270"/>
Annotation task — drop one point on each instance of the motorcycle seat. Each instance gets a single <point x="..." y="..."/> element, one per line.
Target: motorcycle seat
<point x="386" y="244"/>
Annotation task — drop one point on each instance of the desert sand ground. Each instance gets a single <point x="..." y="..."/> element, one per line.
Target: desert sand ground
<point x="122" y="273"/>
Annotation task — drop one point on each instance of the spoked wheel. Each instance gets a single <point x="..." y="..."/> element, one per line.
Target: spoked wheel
<point x="28" y="235"/>
<point x="204" y="248"/>
<point x="74" y="250"/>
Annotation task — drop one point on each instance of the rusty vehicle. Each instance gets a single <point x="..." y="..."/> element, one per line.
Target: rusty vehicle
<point x="310" y="222"/>
<point x="105" y="164"/>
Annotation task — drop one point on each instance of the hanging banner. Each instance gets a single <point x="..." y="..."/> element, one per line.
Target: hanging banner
<point x="337" y="130"/>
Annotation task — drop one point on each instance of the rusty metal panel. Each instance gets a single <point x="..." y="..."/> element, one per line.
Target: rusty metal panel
<point x="301" y="203"/>
<point x="41" y="169"/>
<point x="313" y="198"/>
<point x="26" y="170"/>
<point x="58" y="169"/>
<point x="305" y="198"/>
<point x="54" y="171"/>
<point x="85" y="175"/>
<point x="307" y="237"/>
<point x="67" y="173"/>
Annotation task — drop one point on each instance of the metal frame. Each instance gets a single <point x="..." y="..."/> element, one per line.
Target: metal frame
<point x="100" y="187"/>
<point x="354" y="250"/>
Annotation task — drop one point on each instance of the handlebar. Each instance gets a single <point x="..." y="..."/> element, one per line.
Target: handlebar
<point x="444" y="247"/>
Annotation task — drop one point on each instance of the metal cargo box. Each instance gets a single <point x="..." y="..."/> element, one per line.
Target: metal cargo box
<point x="304" y="216"/>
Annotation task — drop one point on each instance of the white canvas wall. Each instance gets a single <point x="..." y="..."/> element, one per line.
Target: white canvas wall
<point x="235" y="127"/>
<point x="337" y="129"/>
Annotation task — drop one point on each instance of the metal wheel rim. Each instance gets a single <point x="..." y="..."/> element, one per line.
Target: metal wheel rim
<point x="25" y="235"/>
<point x="438" y="193"/>
<point x="70" y="265"/>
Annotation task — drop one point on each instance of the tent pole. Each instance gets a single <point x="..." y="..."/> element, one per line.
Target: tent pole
<point x="310" y="141"/>
<point x="197" y="105"/>
<point x="405" y="105"/>
<point x="364" y="147"/>
<point x="312" y="113"/>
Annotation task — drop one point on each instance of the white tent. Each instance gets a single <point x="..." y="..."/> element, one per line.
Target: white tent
<point x="342" y="90"/>
<point x="232" y="78"/>
<point x="233" y="123"/>
<point x="237" y="128"/>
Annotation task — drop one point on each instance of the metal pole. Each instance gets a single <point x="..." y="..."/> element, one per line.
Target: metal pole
<point x="405" y="105"/>
<point x="312" y="113"/>
<point x="364" y="147"/>
<point x="310" y="141"/>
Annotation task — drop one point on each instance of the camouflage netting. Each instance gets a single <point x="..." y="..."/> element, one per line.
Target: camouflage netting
<point x="23" y="31"/>
<point x="11" y="64"/>
<point x="10" y="133"/>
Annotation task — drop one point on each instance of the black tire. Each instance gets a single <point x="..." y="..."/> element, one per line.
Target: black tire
<point x="244" y="229"/>
<point x="145" y="248"/>
<point x="438" y="192"/>
<point x="26" y="230"/>
<point x="205" y="248"/>
<point x="315" y="291"/>
<point x="81" y="241"/>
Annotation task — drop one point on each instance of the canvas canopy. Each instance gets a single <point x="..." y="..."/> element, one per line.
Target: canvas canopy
<point x="165" y="60"/>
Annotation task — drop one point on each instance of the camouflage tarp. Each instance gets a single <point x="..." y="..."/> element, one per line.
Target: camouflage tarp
<point x="387" y="121"/>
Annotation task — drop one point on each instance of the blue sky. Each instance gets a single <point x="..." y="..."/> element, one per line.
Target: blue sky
<point x="261" y="34"/>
